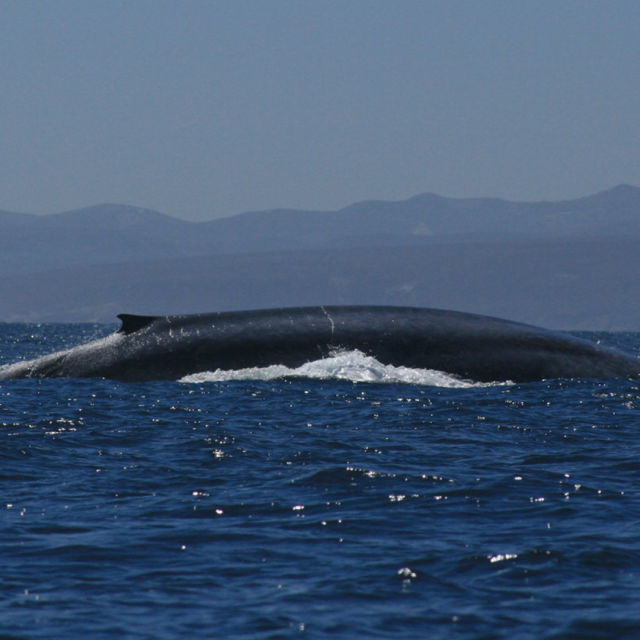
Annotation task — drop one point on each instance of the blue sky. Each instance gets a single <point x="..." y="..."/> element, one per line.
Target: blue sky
<point x="206" y="109"/>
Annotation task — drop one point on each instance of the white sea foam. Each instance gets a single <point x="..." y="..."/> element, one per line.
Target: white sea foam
<point x="344" y="365"/>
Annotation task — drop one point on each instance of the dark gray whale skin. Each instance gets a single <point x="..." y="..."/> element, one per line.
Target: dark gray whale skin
<point x="470" y="346"/>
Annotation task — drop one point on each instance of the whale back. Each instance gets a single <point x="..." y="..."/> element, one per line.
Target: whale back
<point x="475" y="347"/>
<point x="132" y="323"/>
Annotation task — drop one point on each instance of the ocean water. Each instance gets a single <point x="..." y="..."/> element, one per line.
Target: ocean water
<point x="344" y="499"/>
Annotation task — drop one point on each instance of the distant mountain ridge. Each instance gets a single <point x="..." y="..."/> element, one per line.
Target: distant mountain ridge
<point x="113" y="233"/>
<point x="573" y="264"/>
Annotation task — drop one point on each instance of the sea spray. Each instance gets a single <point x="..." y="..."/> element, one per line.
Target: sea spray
<point x="340" y="365"/>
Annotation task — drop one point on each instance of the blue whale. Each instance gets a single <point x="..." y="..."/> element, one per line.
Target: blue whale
<point x="471" y="346"/>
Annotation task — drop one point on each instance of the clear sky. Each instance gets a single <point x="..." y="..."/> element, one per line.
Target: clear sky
<point x="206" y="109"/>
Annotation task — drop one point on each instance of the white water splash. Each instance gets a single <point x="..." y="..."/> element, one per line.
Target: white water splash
<point x="344" y="365"/>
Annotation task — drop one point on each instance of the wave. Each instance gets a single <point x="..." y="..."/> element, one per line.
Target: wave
<point x="354" y="366"/>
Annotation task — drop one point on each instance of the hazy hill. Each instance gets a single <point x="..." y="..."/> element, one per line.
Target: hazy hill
<point x="95" y="235"/>
<point x="572" y="264"/>
<point x="431" y="218"/>
<point x="111" y="233"/>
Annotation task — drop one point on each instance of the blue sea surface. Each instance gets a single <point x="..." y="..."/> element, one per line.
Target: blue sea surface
<point x="310" y="506"/>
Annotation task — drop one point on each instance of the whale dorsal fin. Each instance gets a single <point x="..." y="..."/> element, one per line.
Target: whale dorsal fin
<point x="132" y="323"/>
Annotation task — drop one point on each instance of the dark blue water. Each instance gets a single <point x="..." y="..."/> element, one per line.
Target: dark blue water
<point x="305" y="507"/>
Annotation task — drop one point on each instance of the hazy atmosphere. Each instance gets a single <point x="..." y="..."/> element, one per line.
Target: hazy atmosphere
<point x="208" y="109"/>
